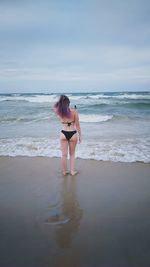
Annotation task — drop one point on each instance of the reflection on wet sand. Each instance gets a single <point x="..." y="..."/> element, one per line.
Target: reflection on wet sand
<point x="71" y="210"/>
<point x="67" y="215"/>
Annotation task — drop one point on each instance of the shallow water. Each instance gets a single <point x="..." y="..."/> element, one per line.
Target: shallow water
<point x="115" y="126"/>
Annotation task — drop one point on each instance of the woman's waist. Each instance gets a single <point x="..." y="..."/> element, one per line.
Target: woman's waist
<point x="69" y="129"/>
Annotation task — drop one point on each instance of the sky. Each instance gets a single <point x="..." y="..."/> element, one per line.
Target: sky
<point x="74" y="45"/>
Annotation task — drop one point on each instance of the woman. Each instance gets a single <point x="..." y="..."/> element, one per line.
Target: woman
<point x="70" y="133"/>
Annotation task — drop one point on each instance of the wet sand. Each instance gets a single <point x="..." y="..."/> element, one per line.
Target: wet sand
<point x="99" y="218"/>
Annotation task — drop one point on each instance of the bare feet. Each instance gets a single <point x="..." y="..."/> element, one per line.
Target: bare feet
<point x="65" y="173"/>
<point x="74" y="173"/>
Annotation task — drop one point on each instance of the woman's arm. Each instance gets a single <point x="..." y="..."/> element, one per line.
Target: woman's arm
<point x="77" y="124"/>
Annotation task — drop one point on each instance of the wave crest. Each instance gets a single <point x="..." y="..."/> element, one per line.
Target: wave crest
<point x="95" y="118"/>
<point x="129" y="150"/>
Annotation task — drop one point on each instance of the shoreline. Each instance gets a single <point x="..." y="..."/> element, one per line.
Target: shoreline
<point x="77" y="159"/>
<point x="100" y="217"/>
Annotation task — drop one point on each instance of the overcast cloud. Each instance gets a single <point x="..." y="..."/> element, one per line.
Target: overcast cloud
<point x="53" y="46"/>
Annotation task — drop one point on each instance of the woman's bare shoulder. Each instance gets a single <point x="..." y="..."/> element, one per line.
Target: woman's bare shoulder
<point x="73" y="110"/>
<point x="73" y="113"/>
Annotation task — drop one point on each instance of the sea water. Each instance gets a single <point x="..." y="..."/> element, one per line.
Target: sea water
<point x="115" y="126"/>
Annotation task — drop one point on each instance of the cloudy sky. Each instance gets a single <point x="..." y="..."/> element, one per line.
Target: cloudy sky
<point x="74" y="45"/>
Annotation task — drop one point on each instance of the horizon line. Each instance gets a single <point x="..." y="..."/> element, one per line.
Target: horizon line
<point x="81" y="92"/>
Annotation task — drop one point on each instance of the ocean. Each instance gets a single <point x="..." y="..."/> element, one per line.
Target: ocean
<point x="115" y="126"/>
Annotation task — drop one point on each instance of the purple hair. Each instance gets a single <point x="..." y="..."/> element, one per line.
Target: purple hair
<point x="62" y="107"/>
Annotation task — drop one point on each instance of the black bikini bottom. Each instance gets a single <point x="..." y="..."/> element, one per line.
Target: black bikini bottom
<point x="68" y="134"/>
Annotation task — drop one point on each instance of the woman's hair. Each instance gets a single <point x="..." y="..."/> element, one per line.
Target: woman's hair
<point x="62" y="107"/>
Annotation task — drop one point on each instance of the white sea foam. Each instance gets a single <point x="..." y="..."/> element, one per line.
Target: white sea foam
<point x="129" y="150"/>
<point x="123" y="150"/>
<point x="32" y="98"/>
<point x="95" y="118"/>
<point x="29" y="146"/>
<point x="54" y="97"/>
<point x="43" y="98"/>
<point x="133" y="96"/>
<point x="121" y="96"/>
<point x="111" y="96"/>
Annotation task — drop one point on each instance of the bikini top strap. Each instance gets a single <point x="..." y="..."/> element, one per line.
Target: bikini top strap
<point x="67" y="122"/>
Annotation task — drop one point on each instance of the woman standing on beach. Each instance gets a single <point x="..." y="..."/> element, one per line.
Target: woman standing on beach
<point x="70" y="134"/>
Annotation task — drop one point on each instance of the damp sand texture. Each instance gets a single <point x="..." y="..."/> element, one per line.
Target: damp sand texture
<point x="98" y="218"/>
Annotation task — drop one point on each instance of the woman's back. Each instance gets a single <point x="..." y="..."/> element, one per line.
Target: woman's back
<point x="69" y="124"/>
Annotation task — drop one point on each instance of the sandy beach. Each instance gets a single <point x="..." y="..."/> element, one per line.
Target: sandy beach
<point x="98" y="218"/>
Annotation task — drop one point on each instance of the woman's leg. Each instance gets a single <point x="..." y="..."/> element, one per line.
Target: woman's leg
<point x="72" y="146"/>
<point x="64" y="150"/>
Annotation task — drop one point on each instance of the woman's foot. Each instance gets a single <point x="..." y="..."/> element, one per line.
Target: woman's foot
<point x="65" y="173"/>
<point x="74" y="173"/>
